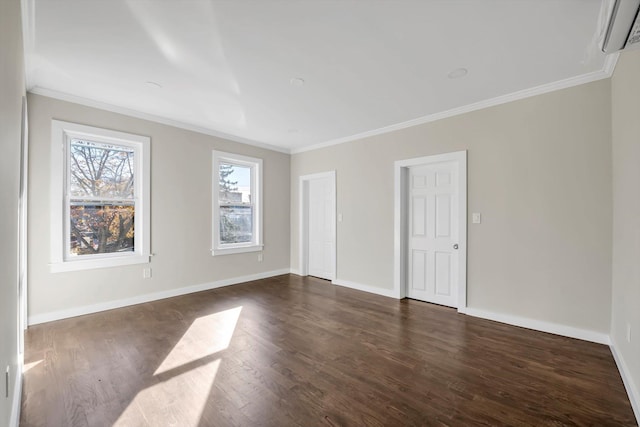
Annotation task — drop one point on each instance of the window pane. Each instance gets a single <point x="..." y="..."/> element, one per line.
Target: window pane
<point x="236" y="224"/>
<point x="235" y="183"/>
<point x="101" y="170"/>
<point x="100" y="229"/>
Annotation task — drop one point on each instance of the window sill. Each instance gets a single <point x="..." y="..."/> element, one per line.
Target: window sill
<point x="59" y="267"/>
<point x="236" y="250"/>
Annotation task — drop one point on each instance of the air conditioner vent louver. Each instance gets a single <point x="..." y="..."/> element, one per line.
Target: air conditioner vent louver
<point x="634" y="37"/>
<point x="623" y="31"/>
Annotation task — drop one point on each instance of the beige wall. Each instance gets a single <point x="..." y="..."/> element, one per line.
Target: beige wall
<point x="180" y="213"/>
<point x="625" y="89"/>
<point x="11" y="92"/>
<point x="539" y="171"/>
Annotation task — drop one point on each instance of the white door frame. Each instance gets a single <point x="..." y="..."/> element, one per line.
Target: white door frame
<point x="401" y="169"/>
<point x="303" y="250"/>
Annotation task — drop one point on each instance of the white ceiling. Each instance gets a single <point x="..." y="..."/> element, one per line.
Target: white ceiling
<point x="226" y="67"/>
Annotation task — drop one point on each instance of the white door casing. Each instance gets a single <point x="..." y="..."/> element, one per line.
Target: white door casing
<point x="318" y="225"/>
<point x="430" y="223"/>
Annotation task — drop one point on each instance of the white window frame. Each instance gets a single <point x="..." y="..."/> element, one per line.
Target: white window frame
<point x="61" y="135"/>
<point x="219" y="248"/>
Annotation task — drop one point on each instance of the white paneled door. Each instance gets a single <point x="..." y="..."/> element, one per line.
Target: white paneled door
<point x="322" y="232"/>
<point x="433" y="233"/>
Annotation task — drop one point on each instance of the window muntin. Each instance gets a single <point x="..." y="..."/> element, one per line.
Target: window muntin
<point x="100" y="198"/>
<point x="237" y="216"/>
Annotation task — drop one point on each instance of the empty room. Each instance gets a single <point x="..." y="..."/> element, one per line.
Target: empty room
<point x="320" y="213"/>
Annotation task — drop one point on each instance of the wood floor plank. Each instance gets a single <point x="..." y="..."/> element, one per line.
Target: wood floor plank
<point x="292" y="351"/>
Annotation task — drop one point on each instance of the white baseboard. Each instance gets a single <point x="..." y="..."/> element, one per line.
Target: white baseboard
<point x="539" y="325"/>
<point x="295" y="271"/>
<point x="109" y="305"/>
<point x="627" y="379"/>
<point x="16" y="403"/>
<point x="366" y="288"/>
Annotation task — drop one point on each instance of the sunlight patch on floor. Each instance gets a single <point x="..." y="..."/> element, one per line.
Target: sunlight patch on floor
<point x="206" y="335"/>
<point x="28" y="366"/>
<point x="183" y="381"/>
<point x="183" y="398"/>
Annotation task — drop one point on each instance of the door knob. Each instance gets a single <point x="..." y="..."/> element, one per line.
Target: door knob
<point x="455" y="246"/>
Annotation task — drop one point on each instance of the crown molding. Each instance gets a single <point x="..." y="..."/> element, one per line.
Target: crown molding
<point x="610" y="63"/>
<point x="606" y="72"/>
<point x="28" y="33"/>
<point x="151" y="117"/>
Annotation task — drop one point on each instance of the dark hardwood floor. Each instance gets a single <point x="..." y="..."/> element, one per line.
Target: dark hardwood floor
<point x="300" y="351"/>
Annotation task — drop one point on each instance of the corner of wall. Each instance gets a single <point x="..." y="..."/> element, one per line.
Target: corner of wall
<point x="627" y="379"/>
<point x="625" y="289"/>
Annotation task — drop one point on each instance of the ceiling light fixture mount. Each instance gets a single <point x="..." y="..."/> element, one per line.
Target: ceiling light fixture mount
<point x="297" y="81"/>
<point x="458" y="73"/>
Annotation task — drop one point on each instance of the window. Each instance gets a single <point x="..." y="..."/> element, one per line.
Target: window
<point x="237" y="204"/>
<point x="99" y="198"/>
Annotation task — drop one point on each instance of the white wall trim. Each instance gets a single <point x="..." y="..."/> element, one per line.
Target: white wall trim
<point x="151" y="117"/>
<point x="28" y="16"/>
<point x="109" y="305"/>
<point x="62" y="134"/>
<point x="605" y="72"/>
<point x="366" y="288"/>
<point x="627" y="379"/>
<point x="539" y="325"/>
<point x="303" y="220"/>
<point x="14" y="419"/>
<point x="610" y="63"/>
<point x="523" y="322"/>
<point x="536" y="325"/>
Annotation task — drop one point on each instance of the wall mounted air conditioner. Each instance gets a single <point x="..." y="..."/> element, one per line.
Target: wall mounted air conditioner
<point x="623" y="31"/>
